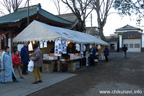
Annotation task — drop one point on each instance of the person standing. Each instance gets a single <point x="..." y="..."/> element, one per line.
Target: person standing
<point x="106" y="53"/>
<point x="92" y="52"/>
<point x="16" y="63"/>
<point x="125" y="51"/>
<point x="24" y="58"/>
<point x="70" y="49"/>
<point x="38" y="61"/>
<point x="7" y="73"/>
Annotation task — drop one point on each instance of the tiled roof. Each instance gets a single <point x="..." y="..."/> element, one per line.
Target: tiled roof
<point x="69" y="16"/>
<point x="22" y="13"/>
<point x="128" y="27"/>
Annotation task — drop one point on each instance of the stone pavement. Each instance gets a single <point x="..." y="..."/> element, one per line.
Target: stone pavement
<point x="24" y="87"/>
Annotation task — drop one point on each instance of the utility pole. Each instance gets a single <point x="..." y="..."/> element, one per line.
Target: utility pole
<point x="16" y="6"/>
<point x="91" y="24"/>
<point x="28" y="13"/>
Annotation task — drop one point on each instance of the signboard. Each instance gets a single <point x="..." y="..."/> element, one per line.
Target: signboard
<point x="41" y="44"/>
<point x="64" y="47"/>
<point x="77" y="47"/>
<point x="30" y="47"/>
<point x="19" y="46"/>
<point x="82" y="48"/>
<point x="58" y="48"/>
<point x="45" y="44"/>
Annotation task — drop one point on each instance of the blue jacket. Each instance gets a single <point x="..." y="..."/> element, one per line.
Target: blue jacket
<point x="92" y="52"/>
<point x="24" y="55"/>
<point x="106" y="51"/>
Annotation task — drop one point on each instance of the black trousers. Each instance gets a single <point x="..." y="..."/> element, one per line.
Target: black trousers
<point x="106" y="58"/>
<point x="24" y="69"/>
<point x="92" y="61"/>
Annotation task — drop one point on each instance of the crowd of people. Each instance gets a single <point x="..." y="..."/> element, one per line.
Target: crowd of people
<point x="94" y="54"/>
<point x="11" y="63"/>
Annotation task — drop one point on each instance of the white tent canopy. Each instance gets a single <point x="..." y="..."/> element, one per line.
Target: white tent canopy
<point x="38" y="31"/>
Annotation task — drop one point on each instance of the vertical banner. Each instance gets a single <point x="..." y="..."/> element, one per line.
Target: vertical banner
<point x="30" y="47"/>
<point x="99" y="47"/>
<point x="45" y="44"/>
<point x="41" y="44"/>
<point x="9" y="44"/>
<point x="58" y="49"/>
<point x="90" y="46"/>
<point x="64" y="47"/>
<point x="77" y="47"/>
<point x="82" y="48"/>
<point x="19" y="46"/>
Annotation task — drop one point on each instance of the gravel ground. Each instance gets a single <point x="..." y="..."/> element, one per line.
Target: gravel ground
<point x="118" y="77"/>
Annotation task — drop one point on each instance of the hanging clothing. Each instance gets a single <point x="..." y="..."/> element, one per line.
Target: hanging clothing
<point x="7" y="73"/>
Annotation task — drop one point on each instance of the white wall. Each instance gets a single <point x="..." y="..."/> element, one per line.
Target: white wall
<point x="142" y="40"/>
<point x="133" y="42"/>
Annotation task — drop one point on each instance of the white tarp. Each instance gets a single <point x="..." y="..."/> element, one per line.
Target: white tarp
<point x="38" y="31"/>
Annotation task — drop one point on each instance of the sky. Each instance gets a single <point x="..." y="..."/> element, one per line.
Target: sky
<point x="114" y="21"/>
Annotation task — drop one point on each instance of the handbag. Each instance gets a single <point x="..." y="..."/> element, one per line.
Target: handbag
<point x="30" y="66"/>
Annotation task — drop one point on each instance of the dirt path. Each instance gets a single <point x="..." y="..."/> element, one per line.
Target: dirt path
<point x="117" y="76"/>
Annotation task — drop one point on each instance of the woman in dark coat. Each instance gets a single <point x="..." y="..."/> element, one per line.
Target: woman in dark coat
<point x="38" y="62"/>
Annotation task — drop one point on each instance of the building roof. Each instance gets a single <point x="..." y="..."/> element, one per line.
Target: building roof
<point x="36" y="9"/>
<point x="128" y="27"/>
<point x="69" y="16"/>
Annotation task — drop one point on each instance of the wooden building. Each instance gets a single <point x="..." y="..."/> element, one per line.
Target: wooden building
<point x="12" y="24"/>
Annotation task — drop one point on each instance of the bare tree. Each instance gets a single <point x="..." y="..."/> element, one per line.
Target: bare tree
<point x="1" y="12"/>
<point x="79" y="9"/>
<point x="57" y="5"/>
<point x="102" y="8"/>
<point x="12" y="5"/>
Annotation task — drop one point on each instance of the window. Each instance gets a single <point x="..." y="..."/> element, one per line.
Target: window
<point x="137" y="45"/>
<point x="126" y="45"/>
<point x="131" y="46"/>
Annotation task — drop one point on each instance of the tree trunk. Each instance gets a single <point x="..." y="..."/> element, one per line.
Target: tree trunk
<point x="101" y="26"/>
<point x="101" y="33"/>
<point x="81" y="26"/>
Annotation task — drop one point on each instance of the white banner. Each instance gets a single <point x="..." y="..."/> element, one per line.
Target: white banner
<point x="82" y="48"/>
<point x="77" y="47"/>
<point x="41" y="44"/>
<point x="45" y="44"/>
<point x="64" y="47"/>
<point x="58" y="49"/>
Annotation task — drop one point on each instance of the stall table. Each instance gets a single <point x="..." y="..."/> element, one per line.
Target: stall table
<point x="70" y="64"/>
<point x="48" y="65"/>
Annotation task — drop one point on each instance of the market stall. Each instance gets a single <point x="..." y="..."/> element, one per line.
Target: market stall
<point x="57" y="39"/>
